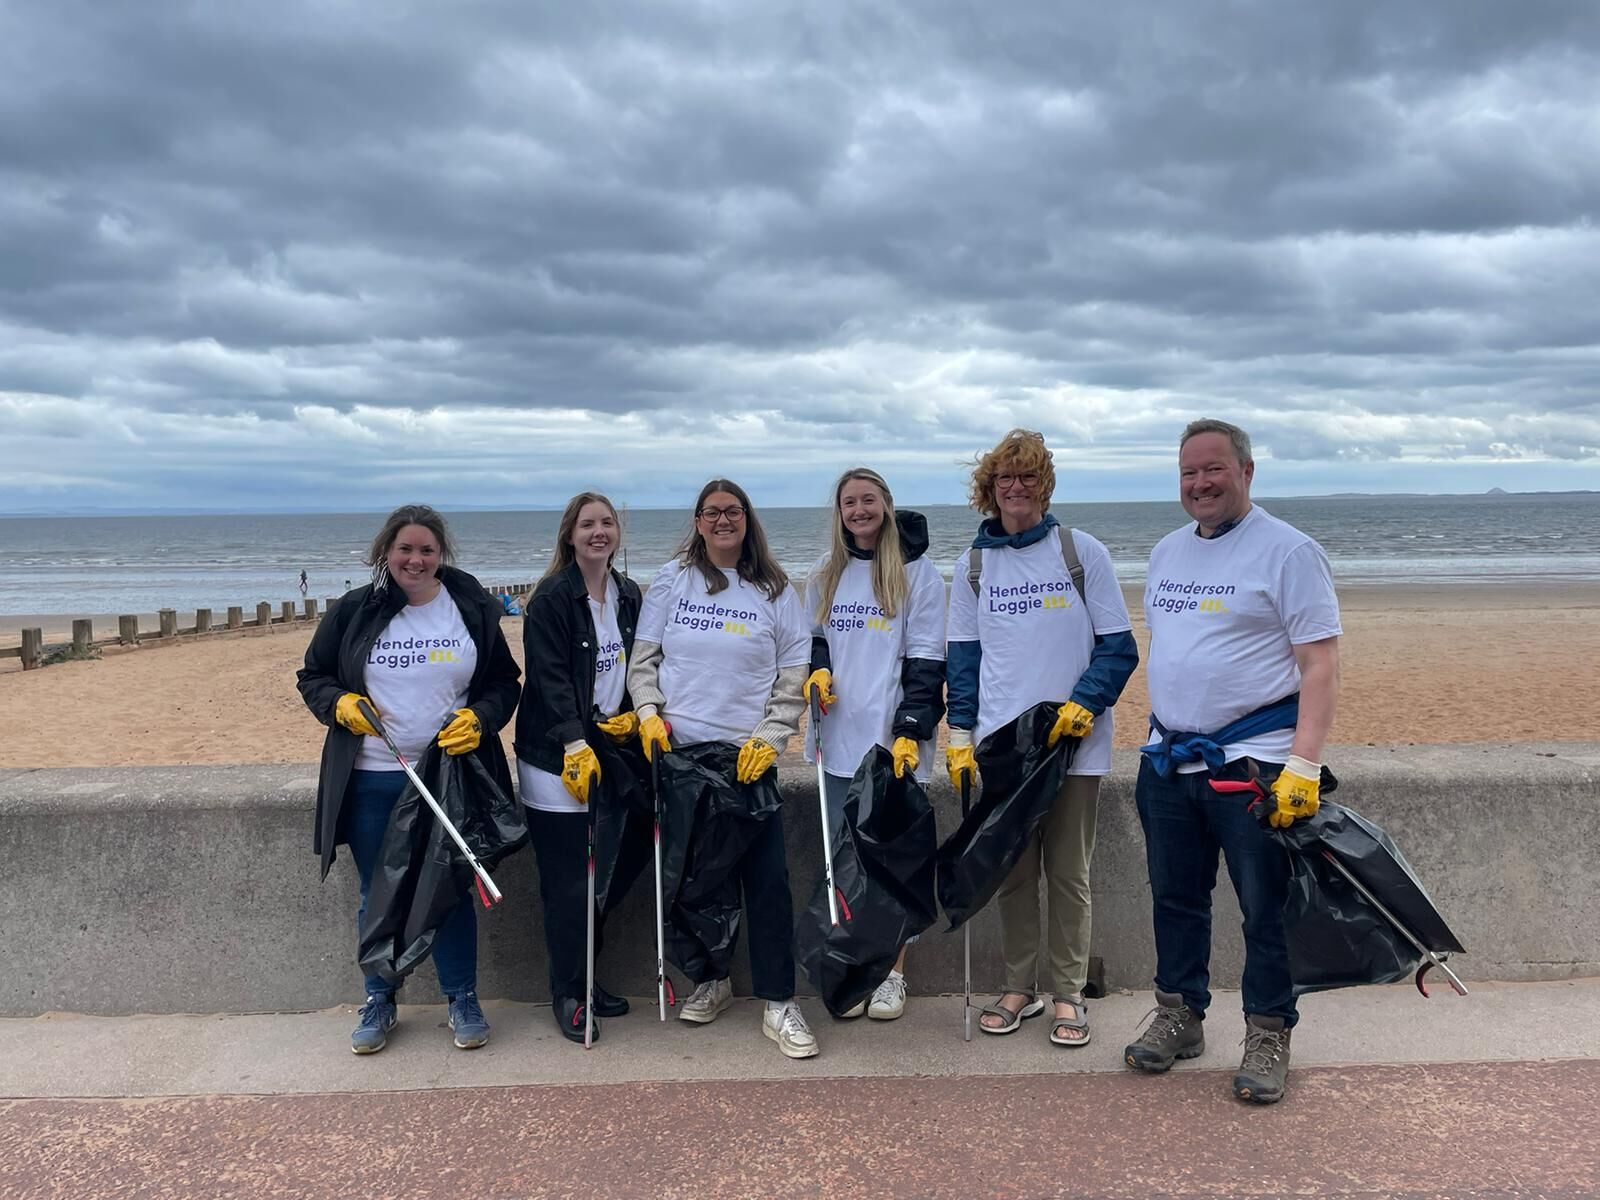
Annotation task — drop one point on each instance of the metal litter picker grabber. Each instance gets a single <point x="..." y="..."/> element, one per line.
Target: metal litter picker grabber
<point x="966" y="930"/>
<point x="487" y="892"/>
<point x="822" y="801"/>
<point x="664" y="995"/>
<point x="588" y="978"/>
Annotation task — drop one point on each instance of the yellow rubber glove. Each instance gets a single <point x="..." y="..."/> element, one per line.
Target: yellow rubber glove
<point x="822" y="680"/>
<point x="755" y="760"/>
<point x="653" y="736"/>
<point x="905" y="756"/>
<point x="579" y="768"/>
<point x="463" y="733"/>
<point x="959" y="758"/>
<point x="1297" y="790"/>
<point x="347" y="714"/>
<point x="1072" y="720"/>
<point x="620" y="727"/>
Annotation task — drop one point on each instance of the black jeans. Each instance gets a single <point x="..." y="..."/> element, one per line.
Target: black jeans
<point x="764" y="879"/>
<point x="1185" y="824"/>
<point x="561" y="844"/>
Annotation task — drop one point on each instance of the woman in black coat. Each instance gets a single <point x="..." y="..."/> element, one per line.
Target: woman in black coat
<point x="422" y="645"/>
<point x="577" y="634"/>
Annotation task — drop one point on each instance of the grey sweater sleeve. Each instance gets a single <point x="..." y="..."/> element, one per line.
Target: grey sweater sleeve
<point x="781" y="721"/>
<point x="644" y="675"/>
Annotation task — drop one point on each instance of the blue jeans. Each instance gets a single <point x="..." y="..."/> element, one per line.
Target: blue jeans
<point x="1185" y="824"/>
<point x="367" y="804"/>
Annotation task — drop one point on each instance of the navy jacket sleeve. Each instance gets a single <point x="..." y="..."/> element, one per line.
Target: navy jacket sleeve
<point x="962" y="663"/>
<point x="1111" y="665"/>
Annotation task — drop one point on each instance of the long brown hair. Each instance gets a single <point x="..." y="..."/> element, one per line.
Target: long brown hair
<point x="564" y="555"/>
<point x="756" y="565"/>
<point x="888" y="560"/>
<point x="407" y="514"/>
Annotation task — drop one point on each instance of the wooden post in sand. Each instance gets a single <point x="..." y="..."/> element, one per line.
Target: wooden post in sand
<point x="128" y="630"/>
<point x="311" y="610"/>
<point x="169" y="622"/>
<point x="202" y="620"/>
<point x="288" y="612"/>
<point x="82" y="635"/>
<point x="32" y="648"/>
<point x="263" y="614"/>
<point x="235" y="616"/>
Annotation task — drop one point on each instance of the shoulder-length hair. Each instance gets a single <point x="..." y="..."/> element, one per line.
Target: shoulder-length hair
<point x="564" y="555"/>
<point x="407" y="514"/>
<point x="756" y="565"/>
<point x="1020" y="452"/>
<point x="888" y="560"/>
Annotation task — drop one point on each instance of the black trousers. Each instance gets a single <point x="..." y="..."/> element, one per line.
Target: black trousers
<point x="561" y="844"/>
<point x="764" y="879"/>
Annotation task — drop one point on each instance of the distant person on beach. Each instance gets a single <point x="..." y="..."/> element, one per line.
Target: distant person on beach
<point x="1006" y="657"/>
<point x="468" y="684"/>
<point x="577" y="635"/>
<point x="304" y="583"/>
<point x="723" y="647"/>
<point x="881" y="679"/>
<point x="1244" y="676"/>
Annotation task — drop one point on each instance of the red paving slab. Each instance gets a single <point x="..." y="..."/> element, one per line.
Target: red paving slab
<point x="1445" y="1132"/>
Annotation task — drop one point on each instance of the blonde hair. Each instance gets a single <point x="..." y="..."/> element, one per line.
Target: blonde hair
<point x="564" y="555"/>
<point x="888" y="560"/>
<point x="1020" y="452"/>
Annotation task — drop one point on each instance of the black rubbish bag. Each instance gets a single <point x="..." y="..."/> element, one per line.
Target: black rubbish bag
<point x="421" y="875"/>
<point x="622" y="797"/>
<point x="708" y="821"/>
<point x="883" y="869"/>
<point x="1336" y="937"/>
<point x="1020" y="777"/>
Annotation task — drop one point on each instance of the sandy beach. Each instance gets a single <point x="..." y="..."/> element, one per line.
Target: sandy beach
<point x="1421" y="664"/>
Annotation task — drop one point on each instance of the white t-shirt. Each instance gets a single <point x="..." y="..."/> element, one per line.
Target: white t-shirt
<point x="867" y="650"/>
<point x="543" y="789"/>
<point x="1225" y="615"/>
<point x="721" y="654"/>
<point x="417" y="675"/>
<point x="1035" y="634"/>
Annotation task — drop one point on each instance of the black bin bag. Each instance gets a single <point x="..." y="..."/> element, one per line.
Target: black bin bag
<point x="623" y="798"/>
<point x="708" y="821"/>
<point x="421" y="876"/>
<point x="1337" y="938"/>
<point x="883" y="868"/>
<point x="1020" y="777"/>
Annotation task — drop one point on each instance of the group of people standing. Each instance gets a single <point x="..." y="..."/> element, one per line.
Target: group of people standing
<point x="723" y="647"/>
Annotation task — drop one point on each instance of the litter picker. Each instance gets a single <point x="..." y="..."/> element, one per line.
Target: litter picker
<point x="664" y="995"/>
<point x="588" y="979"/>
<point x="966" y="930"/>
<point x="487" y="892"/>
<point x="822" y="801"/>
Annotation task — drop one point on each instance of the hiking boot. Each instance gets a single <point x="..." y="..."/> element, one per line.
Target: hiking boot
<point x="377" y="1018"/>
<point x="1264" y="1073"/>
<point x="1175" y="1031"/>
<point x="787" y="1026"/>
<point x="707" y="1001"/>
<point x="467" y="1020"/>
<point x="889" y="1001"/>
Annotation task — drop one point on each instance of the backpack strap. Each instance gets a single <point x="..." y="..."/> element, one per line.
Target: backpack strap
<point x="974" y="567"/>
<point x="1069" y="554"/>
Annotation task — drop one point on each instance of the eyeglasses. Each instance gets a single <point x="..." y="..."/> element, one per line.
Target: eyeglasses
<point x="1028" y="479"/>
<point x="733" y="512"/>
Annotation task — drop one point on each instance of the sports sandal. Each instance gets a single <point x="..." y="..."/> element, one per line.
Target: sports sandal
<point x="1080" y="1022"/>
<point x="1031" y="1009"/>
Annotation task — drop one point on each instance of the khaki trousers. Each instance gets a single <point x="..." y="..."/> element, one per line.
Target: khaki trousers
<point x="1060" y="853"/>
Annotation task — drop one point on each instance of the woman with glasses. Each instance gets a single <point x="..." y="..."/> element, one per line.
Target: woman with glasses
<point x="877" y="655"/>
<point x="1036" y="615"/>
<point x="721" y="651"/>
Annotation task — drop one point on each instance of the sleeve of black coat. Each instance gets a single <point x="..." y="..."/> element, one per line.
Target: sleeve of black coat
<point x="546" y="652"/>
<point x="318" y="680"/>
<point x="502" y="683"/>
<point x="922" y="671"/>
<point x="921" y="700"/>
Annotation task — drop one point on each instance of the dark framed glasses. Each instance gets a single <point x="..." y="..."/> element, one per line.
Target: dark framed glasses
<point x="734" y="513"/>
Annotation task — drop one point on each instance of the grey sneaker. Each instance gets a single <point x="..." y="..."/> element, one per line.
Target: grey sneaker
<point x="707" y="1000"/>
<point x="1175" y="1031"/>
<point x="377" y="1018"/>
<point x="1264" y="1073"/>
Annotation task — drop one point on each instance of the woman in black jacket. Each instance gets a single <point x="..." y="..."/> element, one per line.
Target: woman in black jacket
<point x="422" y="645"/>
<point x="577" y="634"/>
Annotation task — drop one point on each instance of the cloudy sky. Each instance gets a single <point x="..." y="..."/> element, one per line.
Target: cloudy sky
<point x="349" y="253"/>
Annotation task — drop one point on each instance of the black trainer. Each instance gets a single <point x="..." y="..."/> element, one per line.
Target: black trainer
<point x="568" y="1013"/>
<point x="1264" y="1073"/>
<point x="1175" y="1031"/>
<point x="608" y="1005"/>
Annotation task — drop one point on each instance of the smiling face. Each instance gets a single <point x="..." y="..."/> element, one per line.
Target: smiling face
<point x="413" y="561"/>
<point x="595" y="535"/>
<point x="721" y="522"/>
<point x="1018" y="496"/>
<point x="861" y="511"/>
<point x="1213" y="485"/>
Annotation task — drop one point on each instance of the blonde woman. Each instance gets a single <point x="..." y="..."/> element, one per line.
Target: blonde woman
<point x="877" y="655"/>
<point x="1036" y="615"/>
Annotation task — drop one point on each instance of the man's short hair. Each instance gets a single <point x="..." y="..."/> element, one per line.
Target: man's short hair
<point x="1237" y="438"/>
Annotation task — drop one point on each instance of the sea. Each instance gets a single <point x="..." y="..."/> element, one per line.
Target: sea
<point x="138" y="564"/>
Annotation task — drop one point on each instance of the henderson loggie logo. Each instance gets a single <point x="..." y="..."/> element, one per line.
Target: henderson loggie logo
<point x="1030" y="597"/>
<point x="843" y="618"/>
<point x="714" y="617"/>
<point x="402" y="653"/>
<point x="1191" y="596"/>
<point x="609" y="657"/>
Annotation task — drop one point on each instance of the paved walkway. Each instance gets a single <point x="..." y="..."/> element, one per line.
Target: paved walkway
<point x="1488" y="1096"/>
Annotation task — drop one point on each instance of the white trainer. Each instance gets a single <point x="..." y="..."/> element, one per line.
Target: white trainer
<point x="788" y="1028"/>
<point x="889" y="1001"/>
<point x="707" y="1000"/>
<point x="850" y="1014"/>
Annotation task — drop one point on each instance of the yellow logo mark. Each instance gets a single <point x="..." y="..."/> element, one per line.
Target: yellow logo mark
<point x="1212" y="606"/>
<point x="738" y="627"/>
<point x="880" y="623"/>
<point x="442" y="656"/>
<point x="1056" y="602"/>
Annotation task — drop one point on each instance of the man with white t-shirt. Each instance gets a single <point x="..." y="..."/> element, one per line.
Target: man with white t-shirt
<point x="1244" y="674"/>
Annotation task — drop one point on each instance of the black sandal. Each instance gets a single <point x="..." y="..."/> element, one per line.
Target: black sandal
<point x="1079" y="1022"/>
